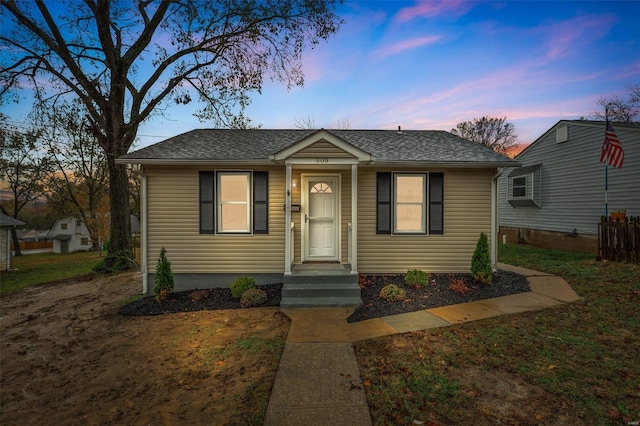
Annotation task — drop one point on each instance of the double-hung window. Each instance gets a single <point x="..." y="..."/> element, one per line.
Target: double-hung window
<point x="409" y="203"/>
<point x="234" y="202"/>
<point x="519" y="187"/>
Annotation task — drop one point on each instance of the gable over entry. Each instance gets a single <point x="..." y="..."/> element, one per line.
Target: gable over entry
<point x="321" y="210"/>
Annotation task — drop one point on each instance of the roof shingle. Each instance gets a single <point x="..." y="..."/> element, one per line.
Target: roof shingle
<point x="433" y="146"/>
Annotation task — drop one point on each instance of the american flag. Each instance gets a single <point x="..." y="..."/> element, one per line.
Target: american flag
<point x="612" y="153"/>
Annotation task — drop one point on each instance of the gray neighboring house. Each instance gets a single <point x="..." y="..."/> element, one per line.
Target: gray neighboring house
<point x="281" y="204"/>
<point x="557" y="196"/>
<point x="6" y="224"/>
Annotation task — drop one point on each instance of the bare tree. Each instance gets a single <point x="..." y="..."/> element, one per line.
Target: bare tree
<point x="494" y="133"/>
<point x="126" y="61"/>
<point x="309" y="122"/>
<point x="79" y="183"/>
<point x="620" y="109"/>
<point x="24" y="165"/>
<point x="305" y="123"/>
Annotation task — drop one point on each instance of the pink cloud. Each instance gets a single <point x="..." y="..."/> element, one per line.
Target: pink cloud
<point x="406" y="45"/>
<point x="563" y="38"/>
<point x="429" y="9"/>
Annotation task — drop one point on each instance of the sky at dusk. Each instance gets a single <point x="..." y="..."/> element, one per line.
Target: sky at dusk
<point x="431" y="65"/>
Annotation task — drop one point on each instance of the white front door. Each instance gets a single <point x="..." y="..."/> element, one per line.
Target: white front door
<point x="321" y="218"/>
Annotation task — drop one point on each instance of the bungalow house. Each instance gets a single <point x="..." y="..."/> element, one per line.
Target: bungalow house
<point x="70" y="235"/>
<point x="284" y="206"/>
<point x="556" y="198"/>
<point x="7" y="223"/>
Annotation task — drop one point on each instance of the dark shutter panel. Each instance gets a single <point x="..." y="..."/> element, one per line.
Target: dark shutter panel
<point x="383" y="202"/>
<point x="436" y="203"/>
<point x="207" y="203"/>
<point x="260" y="202"/>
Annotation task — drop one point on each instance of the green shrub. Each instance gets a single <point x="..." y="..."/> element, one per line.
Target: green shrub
<point x="253" y="297"/>
<point x="416" y="277"/>
<point x="481" y="261"/>
<point x="392" y="293"/>
<point x="242" y="284"/>
<point x="164" y="277"/>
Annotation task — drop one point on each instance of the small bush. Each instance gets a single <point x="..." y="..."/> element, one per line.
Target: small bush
<point x="198" y="295"/>
<point x="392" y="293"/>
<point x="163" y="278"/>
<point x="457" y="285"/>
<point x="416" y="277"/>
<point x="481" y="261"/>
<point x="242" y="284"/>
<point x="253" y="297"/>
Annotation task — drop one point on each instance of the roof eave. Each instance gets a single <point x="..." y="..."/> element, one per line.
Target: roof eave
<point x="186" y="162"/>
<point x="447" y="164"/>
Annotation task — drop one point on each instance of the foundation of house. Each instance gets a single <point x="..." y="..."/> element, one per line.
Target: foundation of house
<point x="550" y="239"/>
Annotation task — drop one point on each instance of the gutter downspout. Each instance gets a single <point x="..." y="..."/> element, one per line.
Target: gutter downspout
<point x="143" y="233"/>
<point x="494" y="220"/>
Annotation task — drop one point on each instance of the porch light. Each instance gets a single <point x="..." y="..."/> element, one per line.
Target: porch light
<point x="294" y="183"/>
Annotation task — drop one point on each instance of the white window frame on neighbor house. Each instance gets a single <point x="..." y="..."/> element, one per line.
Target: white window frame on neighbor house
<point x="520" y="186"/>
<point x="397" y="203"/>
<point x="238" y="201"/>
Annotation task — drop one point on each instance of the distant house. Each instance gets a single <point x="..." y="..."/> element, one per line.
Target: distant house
<point x="70" y="235"/>
<point x="6" y="224"/>
<point x="33" y="235"/>
<point x="287" y="205"/>
<point x="557" y="196"/>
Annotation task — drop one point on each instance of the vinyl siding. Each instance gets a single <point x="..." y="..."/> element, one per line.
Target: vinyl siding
<point x="173" y="223"/>
<point x="467" y="201"/>
<point x="322" y="149"/>
<point x="573" y="181"/>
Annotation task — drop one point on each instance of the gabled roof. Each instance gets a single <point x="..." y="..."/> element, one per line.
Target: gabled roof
<point x="9" y="222"/>
<point x="261" y="146"/>
<point x="599" y="124"/>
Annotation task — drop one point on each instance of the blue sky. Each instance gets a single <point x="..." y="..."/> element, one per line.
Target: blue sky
<point x="430" y="65"/>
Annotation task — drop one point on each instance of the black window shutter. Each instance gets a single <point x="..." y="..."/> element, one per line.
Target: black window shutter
<point x="436" y="203"/>
<point x="207" y="203"/>
<point x="260" y="202"/>
<point x="383" y="203"/>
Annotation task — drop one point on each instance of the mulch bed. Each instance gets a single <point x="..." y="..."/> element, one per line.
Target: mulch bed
<point x="436" y="294"/>
<point x="196" y="300"/>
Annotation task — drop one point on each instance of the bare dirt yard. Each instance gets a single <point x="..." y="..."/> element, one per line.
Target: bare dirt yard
<point x="68" y="357"/>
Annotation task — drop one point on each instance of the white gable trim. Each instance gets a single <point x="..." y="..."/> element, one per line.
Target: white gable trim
<point x="318" y="136"/>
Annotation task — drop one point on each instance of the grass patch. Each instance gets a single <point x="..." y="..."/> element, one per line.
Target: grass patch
<point x="576" y="362"/>
<point x="33" y="269"/>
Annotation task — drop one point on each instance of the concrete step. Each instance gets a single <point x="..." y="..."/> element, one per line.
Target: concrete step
<point x="320" y="302"/>
<point x="313" y="277"/>
<point x="321" y="290"/>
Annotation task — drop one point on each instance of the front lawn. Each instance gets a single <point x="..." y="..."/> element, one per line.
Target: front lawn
<point x="576" y="363"/>
<point x="32" y="269"/>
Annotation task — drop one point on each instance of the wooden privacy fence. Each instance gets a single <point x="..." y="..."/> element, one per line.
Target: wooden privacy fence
<point x="619" y="240"/>
<point x="30" y="245"/>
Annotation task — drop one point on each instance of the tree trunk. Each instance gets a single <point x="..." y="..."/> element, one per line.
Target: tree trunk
<point x="120" y="240"/>
<point x="16" y="242"/>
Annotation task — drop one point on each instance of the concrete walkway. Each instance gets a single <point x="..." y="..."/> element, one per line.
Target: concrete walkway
<point x="318" y="381"/>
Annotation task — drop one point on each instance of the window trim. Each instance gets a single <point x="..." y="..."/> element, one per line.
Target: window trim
<point x="519" y="186"/>
<point x="423" y="204"/>
<point x="248" y="203"/>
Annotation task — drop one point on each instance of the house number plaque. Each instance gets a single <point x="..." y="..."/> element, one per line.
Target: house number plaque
<point x="295" y="208"/>
<point x="322" y="160"/>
